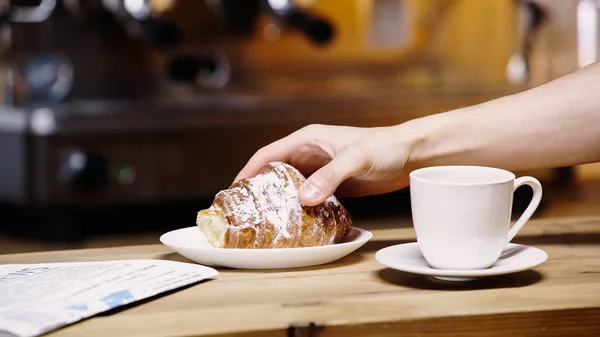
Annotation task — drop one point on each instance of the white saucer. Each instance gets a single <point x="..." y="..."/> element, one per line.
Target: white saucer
<point x="407" y="257"/>
<point x="192" y="244"/>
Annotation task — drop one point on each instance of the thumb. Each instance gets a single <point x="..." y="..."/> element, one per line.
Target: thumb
<point x="323" y="183"/>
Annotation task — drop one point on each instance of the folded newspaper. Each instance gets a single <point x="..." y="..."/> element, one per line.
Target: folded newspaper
<point x="38" y="298"/>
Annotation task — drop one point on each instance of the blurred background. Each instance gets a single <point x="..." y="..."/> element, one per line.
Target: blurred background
<point x="120" y="119"/>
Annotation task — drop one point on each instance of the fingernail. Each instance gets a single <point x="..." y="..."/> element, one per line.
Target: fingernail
<point x="310" y="191"/>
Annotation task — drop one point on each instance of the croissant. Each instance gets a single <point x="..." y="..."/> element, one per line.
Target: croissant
<point x="264" y="212"/>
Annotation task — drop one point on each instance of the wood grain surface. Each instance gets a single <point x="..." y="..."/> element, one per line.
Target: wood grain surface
<point x="356" y="296"/>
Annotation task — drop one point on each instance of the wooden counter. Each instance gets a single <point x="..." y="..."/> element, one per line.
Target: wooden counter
<point x="359" y="297"/>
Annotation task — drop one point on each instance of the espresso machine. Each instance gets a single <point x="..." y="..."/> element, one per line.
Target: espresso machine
<point x="110" y="104"/>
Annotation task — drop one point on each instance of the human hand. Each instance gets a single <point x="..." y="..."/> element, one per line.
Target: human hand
<point x="350" y="161"/>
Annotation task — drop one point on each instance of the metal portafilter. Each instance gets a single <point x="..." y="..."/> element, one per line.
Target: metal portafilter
<point x="202" y="70"/>
<point x="241" y="16"/>
<point x="317" y="29"/>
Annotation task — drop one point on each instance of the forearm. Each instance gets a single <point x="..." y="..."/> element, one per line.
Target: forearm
<point x="555" y="124"/>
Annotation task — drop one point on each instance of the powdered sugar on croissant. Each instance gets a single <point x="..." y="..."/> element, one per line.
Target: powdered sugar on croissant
<point x="265" y="212"/>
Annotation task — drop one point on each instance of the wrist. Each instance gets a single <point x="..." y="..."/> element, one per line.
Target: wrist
<point x="440" y="139"/>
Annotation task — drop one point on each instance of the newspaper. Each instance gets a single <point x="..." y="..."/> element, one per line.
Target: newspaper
<point x="38" y="298"/>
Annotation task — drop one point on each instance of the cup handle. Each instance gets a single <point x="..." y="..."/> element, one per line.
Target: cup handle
<point x="533" y="204"/>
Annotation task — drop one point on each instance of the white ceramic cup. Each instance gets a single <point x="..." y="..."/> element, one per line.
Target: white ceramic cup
<point x="462" y="214"/>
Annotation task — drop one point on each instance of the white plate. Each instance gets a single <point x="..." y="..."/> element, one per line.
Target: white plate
<point x="192" y="244"/>
<point x="408" y="257"/>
